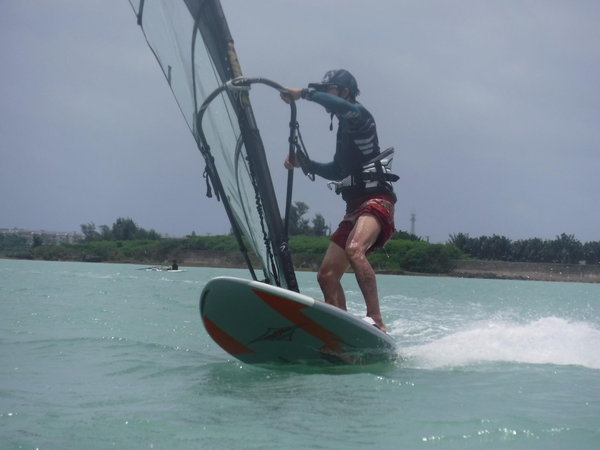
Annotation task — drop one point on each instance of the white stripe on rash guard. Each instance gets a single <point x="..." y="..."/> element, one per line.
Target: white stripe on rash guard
<point x="349" y="115"/>
<point x="365" y="145"/>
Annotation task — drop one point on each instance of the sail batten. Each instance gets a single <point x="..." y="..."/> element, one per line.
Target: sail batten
<point x="194" y="48"/>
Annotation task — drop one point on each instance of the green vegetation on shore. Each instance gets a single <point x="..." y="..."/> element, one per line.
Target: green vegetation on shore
<point x="126" y="242"/>
<point x="564" y="249"/>
<point x="398" y="255"/>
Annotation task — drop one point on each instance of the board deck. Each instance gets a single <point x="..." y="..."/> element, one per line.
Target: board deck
<point x="262" y="324"/>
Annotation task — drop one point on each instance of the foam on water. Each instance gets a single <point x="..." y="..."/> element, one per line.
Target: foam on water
<point x="549" y="340"/>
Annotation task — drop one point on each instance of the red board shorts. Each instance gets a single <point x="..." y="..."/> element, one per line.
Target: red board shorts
<point x="379" y="205"/>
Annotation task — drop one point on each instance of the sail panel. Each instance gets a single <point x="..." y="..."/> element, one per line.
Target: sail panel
<point x="192" y="45"/>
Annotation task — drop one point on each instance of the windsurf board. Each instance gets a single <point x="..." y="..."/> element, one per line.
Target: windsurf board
<point x="258" y="323"/>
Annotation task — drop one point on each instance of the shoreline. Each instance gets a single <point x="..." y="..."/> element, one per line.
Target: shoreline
<point x="501" y="270"/>
<point x="482" y="269"/>
<point x="577" y="273"/>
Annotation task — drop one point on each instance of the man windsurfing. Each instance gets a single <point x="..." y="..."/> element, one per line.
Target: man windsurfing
<point x="362" y="178"/>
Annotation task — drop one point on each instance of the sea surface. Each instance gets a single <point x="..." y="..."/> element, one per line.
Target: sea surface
<point x="102" y="356"/>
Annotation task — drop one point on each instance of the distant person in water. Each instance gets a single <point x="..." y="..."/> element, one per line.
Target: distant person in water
<point x="364" y="185"/>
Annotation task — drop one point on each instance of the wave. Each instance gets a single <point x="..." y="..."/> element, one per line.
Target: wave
<point x="549" y="340"/>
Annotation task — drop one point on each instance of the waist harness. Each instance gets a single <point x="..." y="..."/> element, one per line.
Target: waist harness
<point x="376" y="173"/>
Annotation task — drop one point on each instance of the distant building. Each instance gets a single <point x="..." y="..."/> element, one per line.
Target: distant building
<point x="48" y="237"/>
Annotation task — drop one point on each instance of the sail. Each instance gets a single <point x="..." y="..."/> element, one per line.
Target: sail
<point x="194" y="48"/>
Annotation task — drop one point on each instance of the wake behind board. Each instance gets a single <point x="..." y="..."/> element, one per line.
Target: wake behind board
<point x="262" y="324"/>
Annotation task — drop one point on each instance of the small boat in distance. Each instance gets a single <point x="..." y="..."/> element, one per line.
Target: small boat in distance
<point x="174" y="267"/>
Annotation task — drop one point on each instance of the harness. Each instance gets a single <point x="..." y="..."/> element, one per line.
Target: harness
<point x="375" y="174"/>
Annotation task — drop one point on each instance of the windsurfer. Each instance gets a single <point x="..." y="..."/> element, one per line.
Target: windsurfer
<point x="366" y="189"/>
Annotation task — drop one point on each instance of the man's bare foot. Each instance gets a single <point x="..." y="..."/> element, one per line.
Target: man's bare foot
<point x="379" y="325"/>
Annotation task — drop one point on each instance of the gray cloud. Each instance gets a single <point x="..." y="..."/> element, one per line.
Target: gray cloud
<point x="491" y="106"/>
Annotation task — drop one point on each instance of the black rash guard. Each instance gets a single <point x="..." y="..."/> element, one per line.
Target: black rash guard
<point x="357" y="143"/>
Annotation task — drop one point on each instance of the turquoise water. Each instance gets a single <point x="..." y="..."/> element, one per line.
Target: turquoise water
<point x="101" y="356"/>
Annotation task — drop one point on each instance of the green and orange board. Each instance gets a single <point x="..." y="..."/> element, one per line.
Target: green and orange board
<point x="262" y="324"/>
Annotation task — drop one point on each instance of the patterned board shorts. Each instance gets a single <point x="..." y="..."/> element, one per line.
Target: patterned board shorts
<point x="379" y="205"/>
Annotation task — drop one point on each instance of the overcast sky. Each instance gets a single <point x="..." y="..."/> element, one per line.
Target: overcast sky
<point x="493" y="108"/>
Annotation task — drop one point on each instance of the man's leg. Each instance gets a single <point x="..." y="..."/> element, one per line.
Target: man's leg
<point x="361" y="238"/>
<point x="330" y="273"/>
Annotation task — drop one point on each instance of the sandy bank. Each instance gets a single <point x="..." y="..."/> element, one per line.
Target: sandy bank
<point x="528" y="271"/>
<point x="466" y="269"/>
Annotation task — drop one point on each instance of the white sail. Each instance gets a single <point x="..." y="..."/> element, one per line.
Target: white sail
<point x="192" y="43"/>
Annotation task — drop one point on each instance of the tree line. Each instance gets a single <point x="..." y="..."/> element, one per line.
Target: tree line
<point x="124" y="229"/>
<point x="308" y="239"/>
<point x="564" y="249"/>
<point x="307" y="251"/>
<point x="13" y="243"/>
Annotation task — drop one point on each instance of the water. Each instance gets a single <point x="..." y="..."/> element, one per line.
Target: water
<point x="101" y="356"/>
